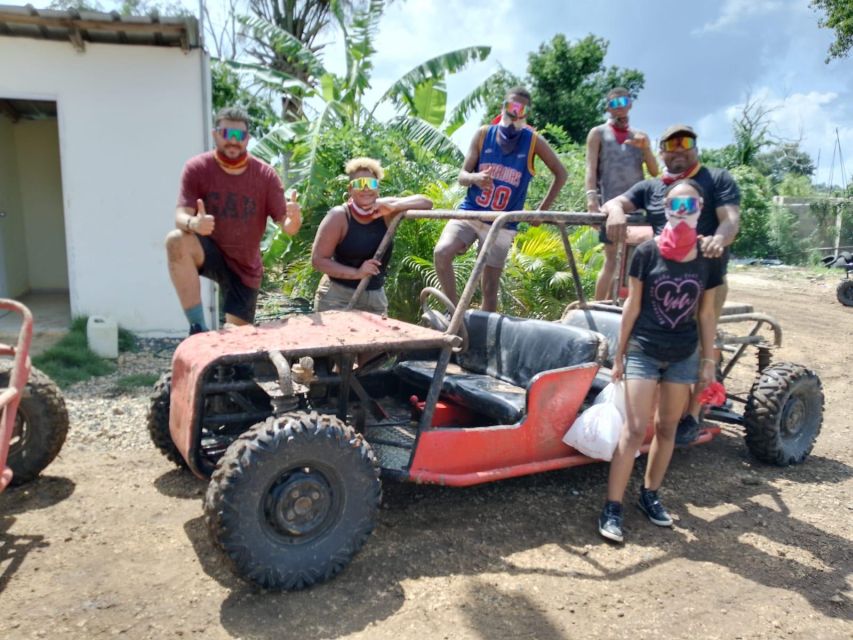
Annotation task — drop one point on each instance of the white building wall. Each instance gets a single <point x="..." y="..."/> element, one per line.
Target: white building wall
<point x="129" y="117"/>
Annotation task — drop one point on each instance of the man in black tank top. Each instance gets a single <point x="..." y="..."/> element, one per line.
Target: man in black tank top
<point x="348" y="237"/>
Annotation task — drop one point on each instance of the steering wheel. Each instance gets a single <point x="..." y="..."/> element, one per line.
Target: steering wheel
<point x="439" y="321"/>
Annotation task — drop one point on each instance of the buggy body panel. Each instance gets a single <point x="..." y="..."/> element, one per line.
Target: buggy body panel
<point x="330" y="333"/>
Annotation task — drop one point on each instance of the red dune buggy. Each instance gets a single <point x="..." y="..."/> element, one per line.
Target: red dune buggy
<point x="33" y="418"/>
<point x="296" y="421"/>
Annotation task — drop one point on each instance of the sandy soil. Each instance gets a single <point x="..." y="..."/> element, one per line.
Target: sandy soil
<point x="111" y="541"/>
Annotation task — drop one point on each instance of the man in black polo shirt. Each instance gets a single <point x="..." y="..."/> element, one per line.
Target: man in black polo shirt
<point x="718" y="223"/>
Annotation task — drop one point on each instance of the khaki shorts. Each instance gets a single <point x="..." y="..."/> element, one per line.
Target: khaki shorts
<point x="333" y="296"/>
<point x="467" y="231"/>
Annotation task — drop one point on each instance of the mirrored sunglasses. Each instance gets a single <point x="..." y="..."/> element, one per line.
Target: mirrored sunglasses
<point x="360" y="184"/>
<point x="233" y="134"/>
<point x="619" y="102"/>
<point x="682" y="142"/>
<point x="515" y="110"/>
<point x="684" y="205"/>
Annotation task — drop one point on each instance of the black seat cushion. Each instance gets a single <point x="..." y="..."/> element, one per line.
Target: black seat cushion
<point x="504" y="354"/>
<point x="515" y="350"/>
<point x="604" y="322"/>
<point x="479" y="392"/>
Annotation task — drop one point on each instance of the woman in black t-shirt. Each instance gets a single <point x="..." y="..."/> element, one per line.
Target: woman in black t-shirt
<point x="666" y="339"/>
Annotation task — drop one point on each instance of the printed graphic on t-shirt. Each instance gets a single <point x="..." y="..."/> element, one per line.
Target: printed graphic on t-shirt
<point x="675" y="298"/>
<point x="233" y="205"/>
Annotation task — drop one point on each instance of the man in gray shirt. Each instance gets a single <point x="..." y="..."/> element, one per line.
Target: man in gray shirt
<point x="615" y="154"/>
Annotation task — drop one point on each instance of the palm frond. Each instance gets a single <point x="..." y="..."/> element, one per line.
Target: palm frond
<point x="470" y="103"/>
<point x="403" y="90"/>
<point x="284" y="44"/>
<point x="422" y="133"/>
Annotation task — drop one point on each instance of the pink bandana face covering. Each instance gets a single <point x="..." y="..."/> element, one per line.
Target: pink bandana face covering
<point x="678" y="237"/>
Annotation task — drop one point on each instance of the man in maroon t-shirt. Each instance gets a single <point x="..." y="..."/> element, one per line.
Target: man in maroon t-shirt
<point x="226" y="196"/>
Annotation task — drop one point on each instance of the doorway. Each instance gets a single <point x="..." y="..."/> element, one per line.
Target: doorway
<point x="33" y="255"/>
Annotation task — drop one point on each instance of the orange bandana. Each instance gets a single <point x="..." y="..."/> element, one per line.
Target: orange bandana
<point x="230" y="166"/>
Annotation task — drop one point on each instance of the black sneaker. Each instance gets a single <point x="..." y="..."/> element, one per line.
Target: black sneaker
<point x="649" y="504"/>
<point x="195" y="328"/>
<point x="610" y="521"/>
<point x="687" y="431"/>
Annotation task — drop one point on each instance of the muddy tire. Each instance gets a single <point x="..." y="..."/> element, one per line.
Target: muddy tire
<point x="784" y="413"/>
<point x="293" y="500"/>
<point x="40" y="428"/>
<point x="158" y="420"/>
<point x="844" y="292"/>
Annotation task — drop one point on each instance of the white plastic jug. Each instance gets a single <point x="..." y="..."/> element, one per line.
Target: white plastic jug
<point x="102" y="335"/>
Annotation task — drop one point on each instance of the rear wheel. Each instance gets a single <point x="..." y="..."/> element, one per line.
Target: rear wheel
<point x="293" y="500"/>
<point x="784" y="413"/>
<point x="844" y="292"/>
<point x="158" y="420"/>
<point x="41" y="426"/>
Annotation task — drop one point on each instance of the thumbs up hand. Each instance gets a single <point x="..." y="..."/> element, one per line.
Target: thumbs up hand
<point x="202" y="223"/>
<point x="294" y="211"/>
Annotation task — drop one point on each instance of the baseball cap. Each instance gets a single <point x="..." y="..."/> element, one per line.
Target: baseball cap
<point x="675" y="129"/>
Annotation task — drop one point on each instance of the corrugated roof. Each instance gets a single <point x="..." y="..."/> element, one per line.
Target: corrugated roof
<point x="79" y="27"/>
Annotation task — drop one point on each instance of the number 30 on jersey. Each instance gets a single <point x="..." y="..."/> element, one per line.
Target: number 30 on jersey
<point x="494" y="199"/>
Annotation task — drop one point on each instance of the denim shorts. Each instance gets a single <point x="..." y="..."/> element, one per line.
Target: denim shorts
<point x="639" y="365"/>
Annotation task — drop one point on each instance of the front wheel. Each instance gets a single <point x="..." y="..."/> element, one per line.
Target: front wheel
<point x="784" y="413"/>
<point x="158" y="420"/>
<point x="844" y="292"/>
<point x="293" y="500"/>
<point x="41" y="426"/>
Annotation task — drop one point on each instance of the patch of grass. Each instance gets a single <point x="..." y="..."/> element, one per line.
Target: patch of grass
<point x="126" y="341"/>
<point x="70" y="360"/>
<point x="135" y="381"/>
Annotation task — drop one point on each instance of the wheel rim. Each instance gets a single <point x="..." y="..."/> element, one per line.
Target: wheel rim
<point x="300" y="505"/>
<point x="20" y="434"/>
<point x="793" y="417"/>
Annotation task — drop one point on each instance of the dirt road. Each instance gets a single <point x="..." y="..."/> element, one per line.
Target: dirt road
<point x="111" y="542"/>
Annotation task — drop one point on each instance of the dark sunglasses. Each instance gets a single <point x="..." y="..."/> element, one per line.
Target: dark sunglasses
<point x="233" y="134"/>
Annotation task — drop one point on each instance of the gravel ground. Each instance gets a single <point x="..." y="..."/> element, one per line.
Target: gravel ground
<point x="106" y="417"/>
<point x="111" y="540"/>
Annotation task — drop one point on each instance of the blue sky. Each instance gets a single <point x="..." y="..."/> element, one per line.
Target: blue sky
<point x="700" y="59"/>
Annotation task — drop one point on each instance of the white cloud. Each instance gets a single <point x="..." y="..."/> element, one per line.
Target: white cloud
<point x="812" y="118"/>
<point x="734" y="11"/>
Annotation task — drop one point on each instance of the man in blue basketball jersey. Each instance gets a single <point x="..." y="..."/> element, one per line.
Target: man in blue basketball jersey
<point x="497" y="171"/>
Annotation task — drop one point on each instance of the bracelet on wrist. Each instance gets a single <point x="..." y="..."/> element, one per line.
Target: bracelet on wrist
<point x="711" y="360"/>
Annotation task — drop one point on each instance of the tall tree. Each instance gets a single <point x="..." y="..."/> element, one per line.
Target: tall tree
<point x="837" y="15"/>
<point x="783" y="160"/>
<point x="300" y="23"/>
<point x="569" y="81"/>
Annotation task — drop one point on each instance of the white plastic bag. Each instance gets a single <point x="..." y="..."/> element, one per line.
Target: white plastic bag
<point x="615" y="393"/>
<point x="596" y="431"/>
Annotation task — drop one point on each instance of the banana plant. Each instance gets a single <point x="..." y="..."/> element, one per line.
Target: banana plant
<point x="419" y="96"/>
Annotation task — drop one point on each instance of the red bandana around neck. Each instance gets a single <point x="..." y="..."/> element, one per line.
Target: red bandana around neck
<point x="676" y="243"/>
<point x="668" y="178"/>
<point x="620" y="133"/>
<point x="231" y="165"/>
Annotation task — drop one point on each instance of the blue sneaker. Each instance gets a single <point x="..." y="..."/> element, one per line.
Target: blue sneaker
<point x="687" y="431"/>
<point x="610" y="521"/>
<point x="649" y="504"/>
